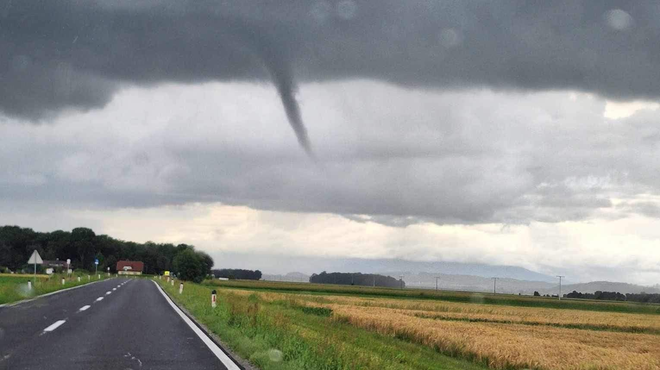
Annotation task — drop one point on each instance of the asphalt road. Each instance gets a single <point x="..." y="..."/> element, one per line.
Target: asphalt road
<point x="113" y="324"/>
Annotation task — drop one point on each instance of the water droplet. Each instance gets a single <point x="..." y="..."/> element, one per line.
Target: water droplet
<point x="450" y="38"/>
<point x="619" y="19"/>
<point x="346" y="9"/>
<point x="320" y="11"/>
<point x="21" y="63"/>
<point x="275" y="355"/>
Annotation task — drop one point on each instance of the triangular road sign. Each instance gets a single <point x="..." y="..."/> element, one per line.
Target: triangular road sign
<point x="35" y="258"/>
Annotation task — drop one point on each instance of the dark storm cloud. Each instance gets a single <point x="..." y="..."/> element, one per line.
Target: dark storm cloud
<point x="59" y="54"/>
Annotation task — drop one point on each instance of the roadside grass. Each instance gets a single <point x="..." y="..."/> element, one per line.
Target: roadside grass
<point x="14" y="287"/>
<point x="447" y="296"/>
<point x="287" y="334"/>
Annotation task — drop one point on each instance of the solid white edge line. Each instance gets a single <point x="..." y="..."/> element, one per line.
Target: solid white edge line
<point x="55" y="325"/>
<point x="48" y="294"/>
<point x="220" y="354"/>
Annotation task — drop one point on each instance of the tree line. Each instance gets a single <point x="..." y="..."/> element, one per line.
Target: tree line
<point x="237" y="274"/>
<point x="356" y="279"/>
<point x="616" y="296"/>
<point x="83" y="246"/>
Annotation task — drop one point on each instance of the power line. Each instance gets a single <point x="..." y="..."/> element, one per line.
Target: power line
<point x="560" y="277"/>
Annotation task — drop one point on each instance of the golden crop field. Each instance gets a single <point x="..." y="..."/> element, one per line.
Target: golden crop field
<point x="501" y="336"/>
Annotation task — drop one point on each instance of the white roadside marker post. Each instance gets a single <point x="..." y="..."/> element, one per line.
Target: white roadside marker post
<point x="29" y="285"/>
<point x="180" y="288"/>
<point x="168" y="279"/>
<point x="62" y="281"/>
<point x="89" y="278"/>
<point x="172" y="282"/>
<point x="78" y="278"/>
<point x="213" y="298"/>
<point x="99" y="277"/>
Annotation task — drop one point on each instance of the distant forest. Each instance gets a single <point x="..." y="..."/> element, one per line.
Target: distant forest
<point x="237" y="274"/>
<point x="356" y="279"/>
<point x="82" y="246"/>
<point x="616" y="296"/>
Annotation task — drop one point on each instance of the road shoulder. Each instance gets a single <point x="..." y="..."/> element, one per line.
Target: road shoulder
<point x="218" y="341"/>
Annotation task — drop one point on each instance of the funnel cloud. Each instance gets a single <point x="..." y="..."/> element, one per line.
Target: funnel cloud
<point x="64" y="54"/>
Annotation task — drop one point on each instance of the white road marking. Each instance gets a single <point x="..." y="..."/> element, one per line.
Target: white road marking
<point x="228" y="362"/>
<point x="113" y="289"/>
<point x="99" y="299"/>
<point x="119" y="286"/>
<point x="108" y="292"/>
<point x="83" y="308"/>
<point x="55" y="325"/>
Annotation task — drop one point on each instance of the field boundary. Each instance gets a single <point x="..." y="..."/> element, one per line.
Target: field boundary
<point x="592" y="327"/>
<point x="40" y="276"/>
<point x="451" y="296"/>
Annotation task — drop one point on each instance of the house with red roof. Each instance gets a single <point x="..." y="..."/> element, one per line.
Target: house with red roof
<point x="130" y="267"/>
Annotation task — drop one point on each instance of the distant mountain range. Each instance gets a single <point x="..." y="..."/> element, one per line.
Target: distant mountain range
<point x="401" y="267"/>
<point x="279" y="264"/>
<point x="513" y="286"/>
<point x="605" y="286"/>
<point x="297" y="277"/>
<point x="452" y="275"/>
<point x="473" y="283"/>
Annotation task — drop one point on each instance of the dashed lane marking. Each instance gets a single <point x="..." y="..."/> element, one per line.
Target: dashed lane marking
<point x="55" y="325"/>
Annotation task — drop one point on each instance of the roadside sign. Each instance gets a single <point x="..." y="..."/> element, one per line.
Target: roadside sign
<point x="96" y="261"/>
<point x="166" y="273"/>
<point x="35" y="258"/>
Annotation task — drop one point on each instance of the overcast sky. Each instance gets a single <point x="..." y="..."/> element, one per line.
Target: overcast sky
<point x="485" y="131"/>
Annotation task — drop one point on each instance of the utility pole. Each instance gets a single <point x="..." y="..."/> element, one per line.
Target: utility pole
<point x="560" y="277"/>
<point x="401" y="279"/>
<point x="494" y="285"/>
<point x="436" y="283"/>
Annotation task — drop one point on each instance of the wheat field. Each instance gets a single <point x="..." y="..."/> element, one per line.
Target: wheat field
<point x="500" y="336"/>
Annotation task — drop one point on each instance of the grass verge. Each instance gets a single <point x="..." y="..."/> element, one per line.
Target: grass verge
<point x="14" y="287"/>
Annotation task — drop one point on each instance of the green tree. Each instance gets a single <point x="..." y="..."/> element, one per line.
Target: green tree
<point x="189" y="265"/>
<point x="83" y="242"/>
<point x="111" y="262"/>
